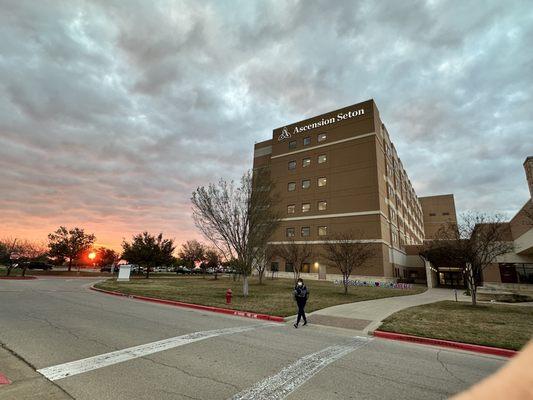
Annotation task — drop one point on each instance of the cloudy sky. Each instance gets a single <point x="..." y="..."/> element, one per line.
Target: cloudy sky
<point x="111" y="113"/>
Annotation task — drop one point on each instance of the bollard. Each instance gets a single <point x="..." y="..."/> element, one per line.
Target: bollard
<point x="228" y="296"/>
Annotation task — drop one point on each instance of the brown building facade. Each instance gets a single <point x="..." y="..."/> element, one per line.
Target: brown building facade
<point x="437" y="211"/>
<point x="340" y="172"/>
<point x="514" y="271"/>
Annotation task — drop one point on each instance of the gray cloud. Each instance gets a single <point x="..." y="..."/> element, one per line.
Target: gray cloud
<point x="111" y="113"/>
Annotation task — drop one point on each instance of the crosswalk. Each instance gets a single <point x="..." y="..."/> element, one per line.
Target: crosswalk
<point x="277" y="386"/>
<point x="61" y="371"/>
<point x="291" y="377"/>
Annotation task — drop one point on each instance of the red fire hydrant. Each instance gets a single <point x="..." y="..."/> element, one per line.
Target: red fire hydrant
<point x="228" y="296"/>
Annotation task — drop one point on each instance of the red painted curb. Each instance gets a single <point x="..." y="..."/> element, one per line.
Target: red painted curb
<point x="496" y="351"/>
<point x="245" y="314"/>
<point x="17" y="278"/>
<point x="4" y="380"/>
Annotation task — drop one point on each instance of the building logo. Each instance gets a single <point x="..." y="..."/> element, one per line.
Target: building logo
<point x="285" y="134"/>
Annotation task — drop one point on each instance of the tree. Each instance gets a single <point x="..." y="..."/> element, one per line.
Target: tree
<point x="262" y="261"/>
<point x="31" y="251"/>
<point x="105" y="256"/>
<point x="191" y="252"/>
<point x="473" y="244"/>
<point x="69" y="243"/>
<point x="348" y="252"/>
<point x="213" y="259"/>
<point x="9" y="248"/>
<point x="148" y="251"/>
<point x="294" y="254"/>
<point x="238" y="220"/>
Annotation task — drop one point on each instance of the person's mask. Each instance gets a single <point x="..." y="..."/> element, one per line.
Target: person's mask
<point x="300" y="283"/>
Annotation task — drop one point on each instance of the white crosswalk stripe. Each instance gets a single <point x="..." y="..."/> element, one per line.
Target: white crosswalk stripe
<point x="60" y="371"/>
<point x="291" y="377"/>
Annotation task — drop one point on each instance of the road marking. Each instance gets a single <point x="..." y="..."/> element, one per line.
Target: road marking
<point x="291" y="377"/>
<point x="61" y="371"/>
<point x="4" y="380"/>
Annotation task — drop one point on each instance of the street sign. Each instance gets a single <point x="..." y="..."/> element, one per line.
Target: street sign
<point x="124" y="272"/>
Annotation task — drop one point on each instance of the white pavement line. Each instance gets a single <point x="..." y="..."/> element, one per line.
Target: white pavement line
<point x="291" y="377"/>
<point x="60" y="371"/>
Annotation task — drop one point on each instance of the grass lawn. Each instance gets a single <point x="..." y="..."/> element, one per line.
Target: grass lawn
<point x="496" y="325"/>
<point x="273" y="297"/>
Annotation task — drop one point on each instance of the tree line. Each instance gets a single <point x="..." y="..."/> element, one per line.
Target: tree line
<point x="72" y="246"/>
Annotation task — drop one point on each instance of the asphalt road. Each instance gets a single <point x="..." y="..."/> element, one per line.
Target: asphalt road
<point x="50" y="322"/>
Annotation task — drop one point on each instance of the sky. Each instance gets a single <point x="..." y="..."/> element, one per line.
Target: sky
<point x="113" y="112"/>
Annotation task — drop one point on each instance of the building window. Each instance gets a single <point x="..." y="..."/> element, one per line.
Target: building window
<point x="322" y="182"/>
<point x="305" y="231"/>
<point x="322" y="205"/>
<point x="306" y="183"/>
<point x="306" y="207"/>
<point x="292" y="144"/>
<point x="307" y="141"/>
<point x="322" y="158"/>
<point x="446" y="213"/>
<point x="291" y="208"/>
<point x="306" y="162"/>
<point x="288" y="267"/>
<point x="292" y="164"/>
<point x="291" y="186"/>
<point x="290" y="232"/>
<point x="322" y="231"/>
<point x="322" y="137"/>
<point x="432" y="214"/>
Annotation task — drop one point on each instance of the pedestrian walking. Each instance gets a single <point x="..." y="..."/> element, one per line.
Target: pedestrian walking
<point x="301" y="294"/>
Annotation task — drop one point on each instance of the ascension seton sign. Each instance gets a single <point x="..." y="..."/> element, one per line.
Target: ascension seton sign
<point x="285" y="133"/>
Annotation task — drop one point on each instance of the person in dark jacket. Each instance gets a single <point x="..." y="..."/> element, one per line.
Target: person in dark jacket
<point x="301" y="294"/>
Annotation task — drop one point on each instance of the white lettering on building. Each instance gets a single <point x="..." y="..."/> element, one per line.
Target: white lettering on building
<point x="285" y="134"/>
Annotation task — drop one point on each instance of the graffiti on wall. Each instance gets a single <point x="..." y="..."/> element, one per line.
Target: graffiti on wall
<point x="387" y="285"/>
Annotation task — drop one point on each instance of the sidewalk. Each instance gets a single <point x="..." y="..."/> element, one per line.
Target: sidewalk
<point x="366" y="316"/>
<point x="26" y="383"/>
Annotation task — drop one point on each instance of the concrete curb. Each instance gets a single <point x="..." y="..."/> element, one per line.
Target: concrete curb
<point x="495" y="351"/>
<point x="237" y="313"/>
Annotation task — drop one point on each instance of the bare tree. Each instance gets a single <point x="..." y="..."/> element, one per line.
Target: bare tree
<point x="31" y="251"/>
<point x="238" y="220"/>
<point x="261" y="263"/>
<point x="473" y="244"/>
<point x="348" y="251"/>
<point x="9" y="249"/>
<point x="296" y="254"/>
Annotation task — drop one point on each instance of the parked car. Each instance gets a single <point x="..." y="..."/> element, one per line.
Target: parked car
<point x="182" y="270"/>
<point x="35" y="265"/>
<point x="107" y="268"/>
<point x="136" y="269"/>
